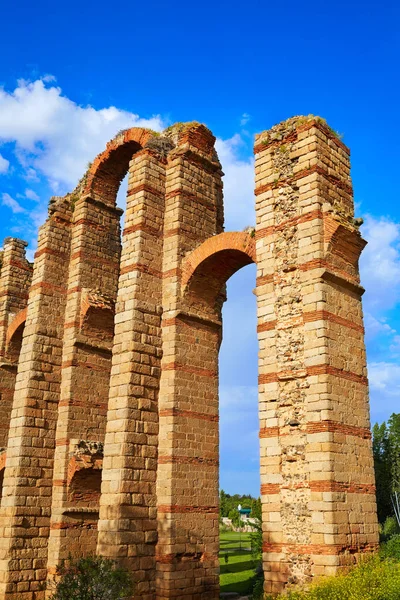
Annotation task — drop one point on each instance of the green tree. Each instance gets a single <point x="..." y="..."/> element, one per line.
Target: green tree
<point x="381" y="451"/>
<point x="92" y="578"/>
<point x="386" y="450"/>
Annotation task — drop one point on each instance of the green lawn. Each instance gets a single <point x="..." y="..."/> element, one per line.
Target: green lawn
<point x="238" y="574"/>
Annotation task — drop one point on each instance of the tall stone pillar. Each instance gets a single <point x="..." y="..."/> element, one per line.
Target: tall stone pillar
<point x="26" y="501"/>
<point x="127" y="525"/>
<point x="187" y="481"/>
<point x="317" y="479"/>
<point x="86" y="365"/>
<point x="15" y="279"/>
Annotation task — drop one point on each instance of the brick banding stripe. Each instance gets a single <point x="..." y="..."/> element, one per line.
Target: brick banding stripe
<point x="270" y="488"/>
<point x="314" y="370"/>
<point x="310" y="317"/>
<point x="145" y="187"/>
<point x="310" y="216"/>
<point x="172" y="273"/>
<point x="20" y="265"/>
<point x="337" y="427"/>
<point x="319" y="263"/>
<point x="338" y="486"/>
<point x="180" y="508"/>
<point x="86" y="256"/>
<point x="188" y="460"/>
<point x="321" y="486"/>
<point x="329" y="370"/>
<point x="338" y="183"/>
<point x="101" y="406"/>
<point x="141" y="227"/>
<point x="174" y="366"/>
<point x="60" y="482"/>
<point x="189" y="414"/>
<point x="51" y="252"/>
<point x="72" y="324"/>
<point x="77" y="363"/>
<point x="51" y="288"/>
<point x="267" y="432"/>
<point x="318" y="315"/>
<point x="15" y="295"/>
<point x="268" y="326"/>
<point x="141" y="268"/>
<point x="62" y="442"/>
<point x="288" y="139"/>
<point x="90" y="224"/>
<point x="264" y="279"/>
<point x="320" y="549"/>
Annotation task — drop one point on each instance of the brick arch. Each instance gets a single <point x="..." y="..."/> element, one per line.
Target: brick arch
<point x="14" y="335"/>
<point x="110" y="167"/>
<point x="208" y="267"/>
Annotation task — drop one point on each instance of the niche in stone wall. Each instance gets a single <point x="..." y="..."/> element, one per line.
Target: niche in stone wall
<point x="85" y="475"/>
<point x="97" y="317"/>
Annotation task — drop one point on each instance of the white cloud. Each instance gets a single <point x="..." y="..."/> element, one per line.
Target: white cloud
<point x="238" y="184"/>
<point x="245" y="119"/>
<point x="4" y="164"/>
<point x="31" y="195"/>
<point x="384" y="380"/>
<point x="380" y="264"/>
<point x="8" y="201"/>
<point x="31" y="175"/>
<point x="375" y="326"/>
<point x="56" y="136"/>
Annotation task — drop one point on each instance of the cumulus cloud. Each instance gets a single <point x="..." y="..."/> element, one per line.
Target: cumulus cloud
<point x="4" y="164"/>
<point x="31" y="195"/>
<point x="8" y="201"/>
<point x="56" y="136"/>
<point x="380" y="264"/>
<point x="238" y="183"/>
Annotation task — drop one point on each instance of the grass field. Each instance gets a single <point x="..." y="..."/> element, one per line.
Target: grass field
<point x="237" y="575"/>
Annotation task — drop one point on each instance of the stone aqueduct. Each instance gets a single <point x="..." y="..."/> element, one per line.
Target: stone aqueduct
<point x="109" y="372"/>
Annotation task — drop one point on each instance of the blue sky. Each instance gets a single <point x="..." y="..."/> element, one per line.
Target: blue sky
<point x="72" y="75"/>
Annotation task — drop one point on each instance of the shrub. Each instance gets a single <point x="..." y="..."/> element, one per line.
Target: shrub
<point x="372" y="579"/>
<point x="392" y="548"/>
<point x="92" y="578"/>
<point x="389" y="529"/>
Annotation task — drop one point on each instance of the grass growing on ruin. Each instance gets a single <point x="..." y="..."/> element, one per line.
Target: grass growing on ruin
<point x="373" y="579"/>
<point x="237" y="575"/>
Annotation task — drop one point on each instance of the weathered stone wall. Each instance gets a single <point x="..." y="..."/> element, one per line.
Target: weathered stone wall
<point x="113" y="436"/>
<point x="15" y="279"/>
<point x="317" y="479"/>
<point x="26" y="500"/>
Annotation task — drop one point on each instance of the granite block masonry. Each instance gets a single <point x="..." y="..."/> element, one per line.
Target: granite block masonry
<point x="109" y="367"/>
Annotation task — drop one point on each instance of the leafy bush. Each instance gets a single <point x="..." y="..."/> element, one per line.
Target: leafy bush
<point x="92" y="578"/>
<point x="392" y="548"/>
<point x="389" y="529"/>
<point x="372" y="579"/>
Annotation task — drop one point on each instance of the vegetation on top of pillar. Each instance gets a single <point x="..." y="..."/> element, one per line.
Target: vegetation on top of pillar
<point x="177" y="129"/>
<point x="161" y="144"/>
<point x="281" y="130"/>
